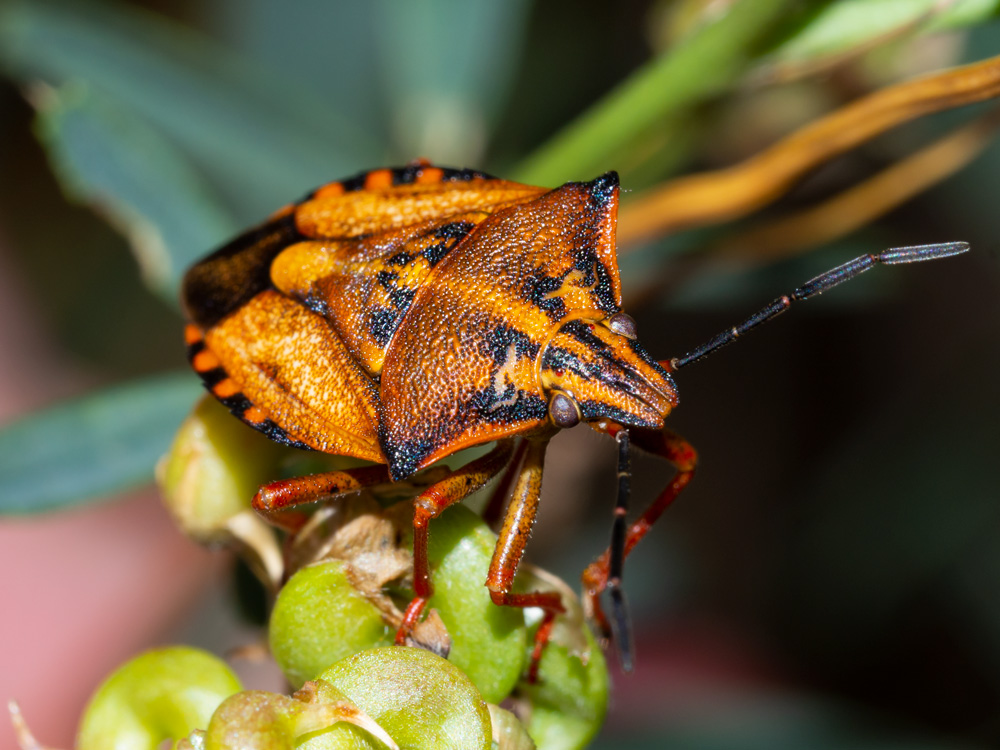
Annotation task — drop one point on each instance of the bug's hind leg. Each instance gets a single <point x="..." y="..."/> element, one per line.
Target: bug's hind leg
<point x="596" y="578"/>
<point x="431" y="503"/>
<point x="507" y="556"/>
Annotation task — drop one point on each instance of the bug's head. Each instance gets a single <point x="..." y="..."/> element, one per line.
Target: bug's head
<point x="595" y="368"/>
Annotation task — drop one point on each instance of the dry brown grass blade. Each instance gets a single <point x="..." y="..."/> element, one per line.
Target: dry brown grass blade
<point x="834" y="218"/>
<point x="863" y="203"/>
<point x="726" y="194"/>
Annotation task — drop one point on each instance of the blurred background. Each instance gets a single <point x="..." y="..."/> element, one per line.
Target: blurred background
<point x="830" y="578"/>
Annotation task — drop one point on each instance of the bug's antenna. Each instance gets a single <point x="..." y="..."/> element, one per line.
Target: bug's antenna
<point x="816" y="286"/>
<point x="620" y="621"/>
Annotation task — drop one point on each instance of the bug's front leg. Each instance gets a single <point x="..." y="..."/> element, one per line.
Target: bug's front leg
<point x="277" y="501"/>
<point x="679" y="452"/>
<point x="431" y="503"/>
<point x="514" y="533"/>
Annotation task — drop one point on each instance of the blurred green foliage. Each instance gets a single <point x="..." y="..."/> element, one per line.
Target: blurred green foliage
<point x="180" y="122"/>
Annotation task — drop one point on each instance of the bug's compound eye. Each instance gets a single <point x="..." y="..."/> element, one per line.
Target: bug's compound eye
<point x="564" y="411"/>
<point x="623" y="325"/>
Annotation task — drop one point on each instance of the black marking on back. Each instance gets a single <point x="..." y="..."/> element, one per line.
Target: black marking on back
<point x="237" y="272"/>
<point x="538" y="287"/>
<point x="402" y="258"/>
<point x="355" y="183"/>
<point x="455" y="230"/>
<point x="382" y="324"/>
<point x="213" y="377"/>
<point x="436" y="253"/>
<point x="498" y="340"/>
<point x="277" y="434"/>
<point x="387" y="279"/>
<point x="463" y="175"/>
<point x="508" y="407"/>
<point x="602" y="189"/>
<point x="603" y="291"/>
<point x="317" y="304"/>
<point x="401" y="297"/>
<point x="450" y="234"/>
<point x="596" y="276"/>
<point x="404" y="176"/>
<point x="403" y="457"/>
<point x="194" y="348"/>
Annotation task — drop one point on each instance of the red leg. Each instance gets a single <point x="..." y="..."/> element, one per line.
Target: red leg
<point x="678" y="452"/>
<point x="430" y="504"/>
<point x="507" y="556"/>
<point x="493" y="509"/>
<point x="276" y="501"/>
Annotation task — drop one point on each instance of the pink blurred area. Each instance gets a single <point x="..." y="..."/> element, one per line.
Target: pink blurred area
<point x="82" y="590"/>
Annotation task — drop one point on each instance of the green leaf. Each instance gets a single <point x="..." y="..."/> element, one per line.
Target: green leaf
<point x="964" y="13"/>
<point x="93" y="446"/>
<point x="109" y="158"/>
<point x="698" y="69"/>
<point x="847" y="25"/>
<point x="448" y="65"/>
<point x="261" y="140"/>
<point x="844" y="25"/>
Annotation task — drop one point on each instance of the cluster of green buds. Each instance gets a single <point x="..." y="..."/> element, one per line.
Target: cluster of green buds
<point x="338" y="587"/>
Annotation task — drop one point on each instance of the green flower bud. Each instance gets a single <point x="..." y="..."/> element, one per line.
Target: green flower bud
<point x="487" y="642"/>
<point x="257" y="720"/>
<point x="159" y="695"/>
<point x="568" y="703"/>
<point x="208" y="478"/>
<point x="321" y="618"/>
<point x="508" y="732"/>
<point x="421" y="700"/>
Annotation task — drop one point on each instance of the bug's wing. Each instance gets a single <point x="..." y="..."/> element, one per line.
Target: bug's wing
<point x="366" y="208"/>
<point x="462" y="367"/>
<point x="364" y="287"/>
<point x="376" y="239"/>
<point x="384" y="200"/>
<point x="280" y="368"/>
<point x="299" y="367"/>
<point x="275" y="364"/>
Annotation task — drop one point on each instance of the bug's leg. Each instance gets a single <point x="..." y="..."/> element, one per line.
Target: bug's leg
<point x="276" y="501"/>
<point x="431" y="503"/>
<point x="493" y="509"/>
<point x="510" y="549"/>
<point x="682" y="455"/>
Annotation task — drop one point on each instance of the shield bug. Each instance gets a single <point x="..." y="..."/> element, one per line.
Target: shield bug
<point x="404" y="314"/>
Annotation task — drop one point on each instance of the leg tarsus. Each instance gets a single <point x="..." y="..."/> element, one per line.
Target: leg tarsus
<point x="551" y="603"/>
<point x="683" y="456"/>
<point x="410" y="618"/>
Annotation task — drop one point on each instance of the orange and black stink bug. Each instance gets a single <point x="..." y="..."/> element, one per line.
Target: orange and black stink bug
<point x="404" y="314"/>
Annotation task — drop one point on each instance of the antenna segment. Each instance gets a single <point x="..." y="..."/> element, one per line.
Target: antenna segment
<point x="817" y="286"/>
